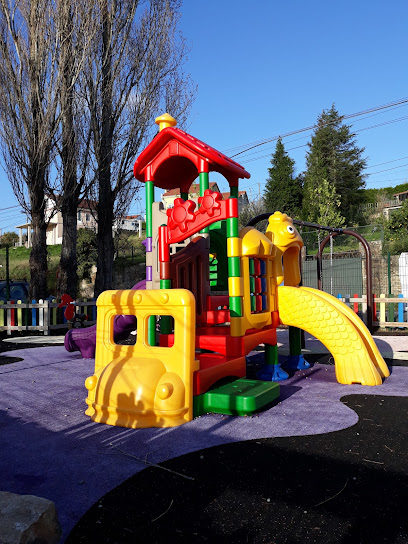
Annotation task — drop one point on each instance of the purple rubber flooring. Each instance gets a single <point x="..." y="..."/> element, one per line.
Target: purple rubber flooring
<point x="51" y="449"/>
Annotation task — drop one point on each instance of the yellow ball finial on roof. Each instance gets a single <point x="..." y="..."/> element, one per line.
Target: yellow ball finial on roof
<point x="165" y="121"/>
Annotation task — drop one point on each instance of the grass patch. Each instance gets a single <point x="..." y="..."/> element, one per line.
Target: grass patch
<point x="19" y="264"/>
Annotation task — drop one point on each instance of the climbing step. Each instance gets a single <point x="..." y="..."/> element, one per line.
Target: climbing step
<point x="240" y="397"/>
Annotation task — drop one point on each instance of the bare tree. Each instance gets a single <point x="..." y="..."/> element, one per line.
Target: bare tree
<point x="134" y="72"/>
<point x="77" y="27"/>
<point x="29" y="113"/>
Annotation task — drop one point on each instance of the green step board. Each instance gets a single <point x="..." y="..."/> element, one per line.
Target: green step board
<point x="241" y="397"/>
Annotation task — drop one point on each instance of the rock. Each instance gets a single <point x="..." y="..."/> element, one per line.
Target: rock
<point x="26" y="519"/>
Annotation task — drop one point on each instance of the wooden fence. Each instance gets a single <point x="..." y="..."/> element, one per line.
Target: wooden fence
<point x="389" y="312"/>
<point x="43" y="315"/>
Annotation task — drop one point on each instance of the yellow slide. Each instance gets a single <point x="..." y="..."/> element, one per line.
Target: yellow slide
<point x="357" y="359"/>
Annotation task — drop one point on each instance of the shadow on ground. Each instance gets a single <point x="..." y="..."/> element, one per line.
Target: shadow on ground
<point x="349" y="486"/>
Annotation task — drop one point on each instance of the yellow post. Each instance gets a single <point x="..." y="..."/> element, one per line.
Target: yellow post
<point x="19" y="314"/>
<point x="382" y="309"/>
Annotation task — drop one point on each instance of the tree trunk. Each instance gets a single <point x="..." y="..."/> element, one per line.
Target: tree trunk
<point x="104" y="274"/>
<point x="38" y="255"/>
<point x="67" y="271"/>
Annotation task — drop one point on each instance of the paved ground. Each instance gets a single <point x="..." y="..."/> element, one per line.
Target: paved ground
<point x="51" y="449"/>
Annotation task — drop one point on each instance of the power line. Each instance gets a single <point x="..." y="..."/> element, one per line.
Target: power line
<point x="292" y="133"/>
<point x="387" y="162"/>
<point x="9" y="208"/>
<point x="303" y="137"/>
<point x="387" y="170"/>
<point x="398" y="119"/>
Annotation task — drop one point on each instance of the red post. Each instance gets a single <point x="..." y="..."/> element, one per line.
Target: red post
<point x="355" y="305"/>
<point x="12" y="315"/>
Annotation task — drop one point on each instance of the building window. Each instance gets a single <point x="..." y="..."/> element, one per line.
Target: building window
<point x="79" y="216"/>
<point x="87" y="217"/>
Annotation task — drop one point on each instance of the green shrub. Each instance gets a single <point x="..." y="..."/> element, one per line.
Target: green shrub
<point x="87" y="253"/>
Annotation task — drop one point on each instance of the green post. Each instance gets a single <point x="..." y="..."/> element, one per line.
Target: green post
<point x="7" y="274"/>
<point x="149" y="208"/>
<point x="151" y="330"/>
<point x="234" y="269"/>
<point x="391" y="309"/>
<point x="295" y="341"/>
<point x="234" y="192"/>
<point x="389" y="271"/>
<point x="272" y="370"/>
<point x="151" y="324"/>
<point x="204" y="184"/>
<point x="271" y="354"/>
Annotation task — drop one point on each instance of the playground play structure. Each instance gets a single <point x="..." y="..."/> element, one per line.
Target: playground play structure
<point x="213" y="294"/>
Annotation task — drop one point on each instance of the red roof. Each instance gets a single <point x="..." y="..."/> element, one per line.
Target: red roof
<point x="403" y="193"/>
<point x="174" y="159"/>
<point x="227" y="195"/>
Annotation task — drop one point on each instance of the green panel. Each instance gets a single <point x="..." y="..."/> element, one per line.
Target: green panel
<point x="235" y="306"/>
<point x="241" y="397"/>
<point x="218" y="225"/>
<point x="234" y="267"/>
<point x="251" y="284"/>
<point x="166" y="324"/>
<point x="218" y="245"/>
<point x="251" y="267"/>
<point x="253" y="304"/>
<point x="343" y="276"/>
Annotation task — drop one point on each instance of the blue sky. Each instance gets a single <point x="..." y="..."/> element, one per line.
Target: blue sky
<point x="266" y="68"/>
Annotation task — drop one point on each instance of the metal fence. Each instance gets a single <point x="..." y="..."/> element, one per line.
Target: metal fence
<point x="344" y="273"/>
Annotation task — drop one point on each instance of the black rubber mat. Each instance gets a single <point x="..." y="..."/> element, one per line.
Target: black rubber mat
<point x="349" y="486"/>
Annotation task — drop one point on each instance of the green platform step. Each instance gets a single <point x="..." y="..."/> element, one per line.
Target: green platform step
<point x="240" y="397"/>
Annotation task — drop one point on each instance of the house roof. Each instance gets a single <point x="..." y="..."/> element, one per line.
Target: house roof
<point x="88" y="204"/>
<point x="194" y="188"/>
<point x="84" y="204"/>
<point x="398" y="194"/>
<point x="227" y="195"/>
<point x="174" y="159"/>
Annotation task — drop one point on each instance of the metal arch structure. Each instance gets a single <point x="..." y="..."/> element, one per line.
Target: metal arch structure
<point x="333" y="231"/>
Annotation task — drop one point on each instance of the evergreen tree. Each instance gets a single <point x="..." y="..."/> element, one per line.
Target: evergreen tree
<point x="334" y="156"/>
<point x="283" y="191"/>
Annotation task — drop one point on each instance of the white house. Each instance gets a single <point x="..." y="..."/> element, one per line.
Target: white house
<point x="132" y="223"/>
<point x="86" y="213"/>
